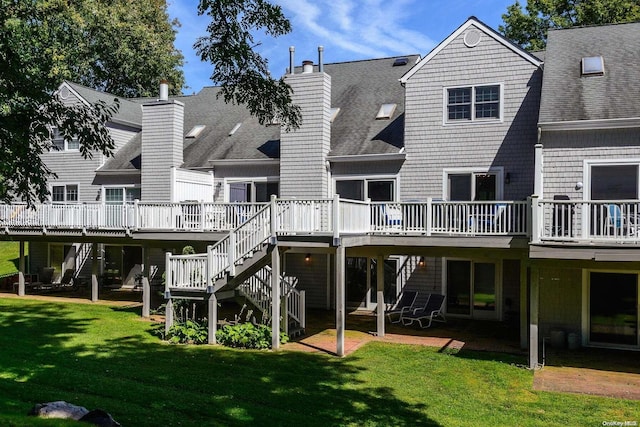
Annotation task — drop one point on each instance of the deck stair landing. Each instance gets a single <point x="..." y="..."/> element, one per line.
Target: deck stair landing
<point x="238" y="260"/>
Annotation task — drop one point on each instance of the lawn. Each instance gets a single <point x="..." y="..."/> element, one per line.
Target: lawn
<point x="9" y="254"/>
<point x="105" y="357"/>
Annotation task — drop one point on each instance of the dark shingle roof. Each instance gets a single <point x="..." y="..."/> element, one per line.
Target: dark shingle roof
<point x="358" y="88"/>
<point x="129" y="112"/>
<point x="567" y="96"/>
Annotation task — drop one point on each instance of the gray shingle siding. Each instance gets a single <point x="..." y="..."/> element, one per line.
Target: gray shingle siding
<point x="431" y="146"/>
<point x="565" y="152"/>
<point x="162" y="147"/>
<point x="303" y="152"/>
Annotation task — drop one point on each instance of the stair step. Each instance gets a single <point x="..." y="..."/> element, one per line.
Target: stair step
<point x="297" y="332"/>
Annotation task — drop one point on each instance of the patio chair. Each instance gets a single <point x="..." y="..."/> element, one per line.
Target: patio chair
<point x="618" y="224"/>
<point x="432" y="311"/>
<point x="392" y="216"/>
<point x="403" y="305"/>
<point x="45" y="280"/>
<point x="66" y="281"/>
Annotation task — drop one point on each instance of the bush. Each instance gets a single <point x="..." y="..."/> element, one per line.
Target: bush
<point x="188" y="332"/>
<point x="247" y="335"/>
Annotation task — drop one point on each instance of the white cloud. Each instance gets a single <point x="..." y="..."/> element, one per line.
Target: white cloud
<point x="370" y="28"/>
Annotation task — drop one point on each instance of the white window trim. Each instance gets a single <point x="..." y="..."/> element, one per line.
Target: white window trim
<point x="366" y="178"/>
<point x="253" y="180"/>
<point x="473" y="120"/>
<point x="586" y="302"/>
<point x="586" y="171"/>
<point x="498" y="171"/>
<point x="65" y="185"/>
<point x="65" y="147"/>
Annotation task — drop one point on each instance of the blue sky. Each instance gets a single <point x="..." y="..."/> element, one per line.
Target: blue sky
<point x="348" y="29"/>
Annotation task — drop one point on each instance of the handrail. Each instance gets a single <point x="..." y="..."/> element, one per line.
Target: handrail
<point x="258" y="290"/>
<point x="586" y="220"/>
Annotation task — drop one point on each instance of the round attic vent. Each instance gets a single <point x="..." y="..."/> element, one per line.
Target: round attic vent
<point x="472" y="38"/>
<point x="64" y="92"/>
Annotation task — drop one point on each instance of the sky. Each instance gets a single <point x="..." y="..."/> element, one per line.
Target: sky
<point x="349" y="30"/>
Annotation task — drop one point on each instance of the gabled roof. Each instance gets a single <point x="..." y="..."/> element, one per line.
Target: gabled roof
<point x="569" y="97"/>
<point x="472" y="21"/>
<point x="129" y="113"/>
<point x="358" y="88"/>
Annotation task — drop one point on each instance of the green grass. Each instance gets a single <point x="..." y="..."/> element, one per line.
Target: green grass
<point x="9" y="256"/>
<point x="104" y="357"/>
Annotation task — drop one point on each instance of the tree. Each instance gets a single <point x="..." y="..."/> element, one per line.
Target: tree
<point x="42" y="43"/>
<point x="126" y="47"/>
<point x="528" y="27"/>
<point x="241" y="72"/>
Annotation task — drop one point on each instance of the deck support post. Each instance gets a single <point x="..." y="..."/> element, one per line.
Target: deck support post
<point x="21" y="282"/>
<point x="524" y="302"/>
<point x="168" y="316"/>
<point x="340" y="300"/>
<point x="380" y="295"/>
<point x="275" y="298"/>
<point x="146" y="287"/>
<point x="94" y="272"/>
<point x="534" y="294"/>
<point x="213" y="318"/>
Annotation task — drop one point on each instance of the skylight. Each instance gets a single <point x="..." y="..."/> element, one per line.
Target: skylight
<point x="235" y="128"/>
<point x="592" y="65"/>
<point x="386" y="111"/>
<point x="400" y="62"/>
<point x="195" y="131"/>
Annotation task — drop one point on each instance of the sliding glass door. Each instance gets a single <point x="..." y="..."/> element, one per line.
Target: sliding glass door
<point x="613" y="309"/>
<point x="472" y="289"/>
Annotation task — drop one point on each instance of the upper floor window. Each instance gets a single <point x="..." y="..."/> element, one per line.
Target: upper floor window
<point x="64" y="193"/>
<point x="473" y="103"/>
<point x="63" y="144"/>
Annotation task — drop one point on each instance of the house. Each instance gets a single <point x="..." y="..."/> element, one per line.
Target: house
<point x="584" y="252"/>
<point x="456" y="173"/>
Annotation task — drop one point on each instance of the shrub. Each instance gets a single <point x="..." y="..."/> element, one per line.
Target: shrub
<point x="188" y="332"/>
<point x="247" y="335"/>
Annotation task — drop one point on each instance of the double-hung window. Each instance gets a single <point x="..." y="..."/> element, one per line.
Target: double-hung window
<point x="63" y="144"/>
<point x="64" y="193"/>
<point x="473" y="103"/>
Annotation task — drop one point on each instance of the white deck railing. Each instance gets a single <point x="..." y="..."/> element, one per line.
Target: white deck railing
<point x="258" y="290"/>
<point x="586" y="221"/>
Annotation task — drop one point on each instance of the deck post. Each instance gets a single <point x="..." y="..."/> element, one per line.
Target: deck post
<point x="168" y="316"/>
<point x="213" y="318"/>
<point x="94" y="272"/>
<point x="275" y="298"/>
<point x="21" y="284"/>
<point x="380" y="295"/>
<point x="340" y="300"/>
<point x="524" y="303"/>
<point x="146" y="287"/>
<point x="534" y="294"/>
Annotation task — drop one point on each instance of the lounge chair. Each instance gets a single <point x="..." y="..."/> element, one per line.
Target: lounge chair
<point x="403" y="305"/>
<point x="432" y="311"/>
<point x="66" y="281"/>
